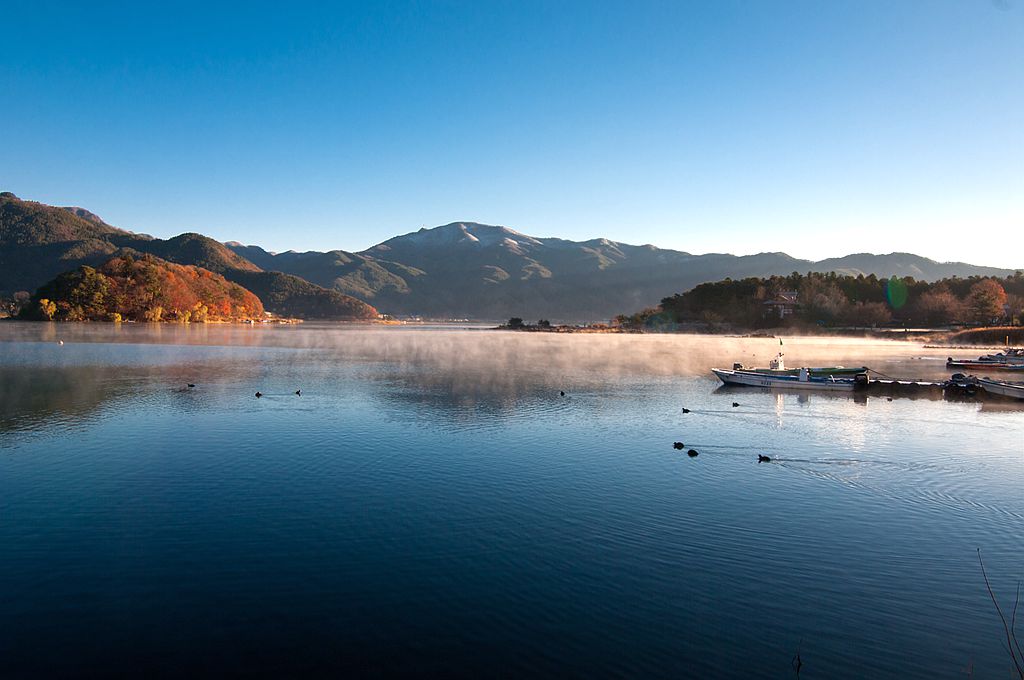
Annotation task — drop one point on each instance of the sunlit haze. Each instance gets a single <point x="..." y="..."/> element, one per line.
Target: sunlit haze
<point x="814" y="128"/>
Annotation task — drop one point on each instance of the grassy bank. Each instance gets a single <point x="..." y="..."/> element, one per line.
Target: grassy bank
<point x="995" y="335"/>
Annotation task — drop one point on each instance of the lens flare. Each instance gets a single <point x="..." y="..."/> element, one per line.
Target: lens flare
<point x="896" y="292"/>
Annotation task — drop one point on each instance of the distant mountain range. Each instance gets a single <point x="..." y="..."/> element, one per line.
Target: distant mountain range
<point x="459" y="270"/>
<point x="480" y="271"/>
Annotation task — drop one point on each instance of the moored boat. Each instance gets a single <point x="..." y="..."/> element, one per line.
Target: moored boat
<point x="1010" y="355"/>
<point x="1010" y="359"/>
<point x="979" y="363"/>
<point x="1003" y="388"/>
<point x="777" y="366"/>
<point x="816" y="371"/>
<point x="803" y="380"/>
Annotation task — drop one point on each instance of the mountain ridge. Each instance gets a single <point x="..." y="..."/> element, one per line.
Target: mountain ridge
<point x="39" y="242"/>
<point x="470" y="269"/>
<point x="462" y="269"/>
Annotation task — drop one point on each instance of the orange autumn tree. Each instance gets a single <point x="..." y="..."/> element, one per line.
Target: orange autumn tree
<point x="145" y="289"/>
<point x="987" y="301"/>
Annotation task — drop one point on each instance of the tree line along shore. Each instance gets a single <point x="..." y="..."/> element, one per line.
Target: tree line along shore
<point x="969" y="310"/>
<point x="832" y="301"/>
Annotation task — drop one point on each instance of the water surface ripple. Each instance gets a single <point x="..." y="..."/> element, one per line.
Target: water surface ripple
<point x="432" y="505"/>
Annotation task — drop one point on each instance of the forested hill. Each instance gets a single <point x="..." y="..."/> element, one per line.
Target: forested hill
<point x="28" y="223"/>
<point x="142" y="289"/>
<point x="39" y="242"/>
<point x="830" y="299"/>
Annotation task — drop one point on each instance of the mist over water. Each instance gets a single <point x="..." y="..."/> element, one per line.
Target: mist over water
<point x="431" y="503"/>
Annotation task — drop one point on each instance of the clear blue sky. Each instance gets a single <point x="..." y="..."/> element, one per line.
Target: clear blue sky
<point x="817" y="128"/>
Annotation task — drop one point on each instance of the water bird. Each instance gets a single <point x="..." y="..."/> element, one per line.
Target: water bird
<point x="678" y="445"/>
<point x="259" y="394"/>
<point x="888" y="398"/>
<point x="60" y="342"/>
<point x="298" y="392"/>
<point x="735" y="404"/>
<point x="190" y="385"/>
<point x="692" y="453"/>
<point x="561" y="393"/>
<point x="686" y="410"/>
<point x="763" y="459"/>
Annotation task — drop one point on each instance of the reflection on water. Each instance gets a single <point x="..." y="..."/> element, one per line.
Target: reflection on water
<point x="32" y="399"/>
<point x="433" y="503"/>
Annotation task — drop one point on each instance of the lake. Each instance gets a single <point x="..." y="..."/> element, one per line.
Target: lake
<point x="432" y="505"/>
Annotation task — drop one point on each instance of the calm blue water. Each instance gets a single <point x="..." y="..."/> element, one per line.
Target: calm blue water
<point x="430" y="504"/>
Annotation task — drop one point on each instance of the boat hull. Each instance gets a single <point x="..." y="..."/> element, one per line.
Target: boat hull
<point x="1010" y="356"/>
<point x="817" y="372"/>
<point x="989" y="365"/>
<point x="756" y="379"/>
<point x="1002" y="388"/>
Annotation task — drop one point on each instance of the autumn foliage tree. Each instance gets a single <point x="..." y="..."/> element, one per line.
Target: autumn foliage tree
<point x="987" y="301"/>
<point x="823" y="300"/>
<point x="939" y="306"/>
<point x="868" y="314"/>
<point x="143" y="289"/>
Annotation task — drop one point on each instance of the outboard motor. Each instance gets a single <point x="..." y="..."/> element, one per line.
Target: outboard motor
<point x="860" y="381"/>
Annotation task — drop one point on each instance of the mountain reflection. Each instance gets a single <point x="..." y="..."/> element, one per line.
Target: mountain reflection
<point x="44" y="398"/>
<point x="33" y="399"/>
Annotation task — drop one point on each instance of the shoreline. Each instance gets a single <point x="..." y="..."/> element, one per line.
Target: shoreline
<point x="994" y="337"/>
<point x="213" y="322"/>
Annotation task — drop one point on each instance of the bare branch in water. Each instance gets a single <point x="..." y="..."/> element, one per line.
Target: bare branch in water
<point x="1012" y="646"/>
<point x="1013" y="623"/>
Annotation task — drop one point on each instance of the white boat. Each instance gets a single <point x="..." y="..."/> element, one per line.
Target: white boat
<point x="1008" y="360"/>
<point x="1008" y="356"/>
<point x="1014" y="390"/>
<point x="804" y="380"/>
